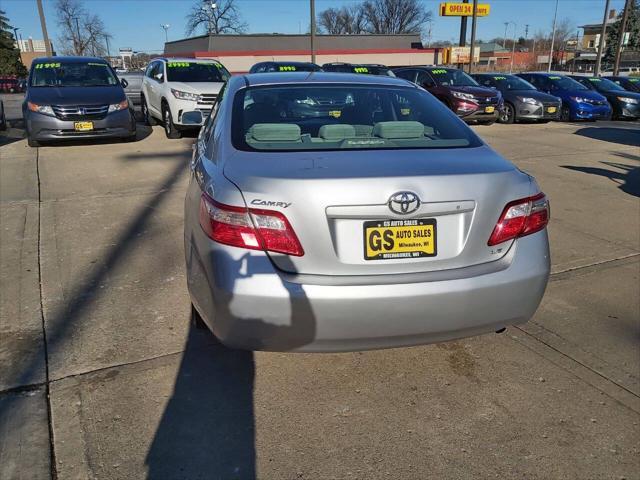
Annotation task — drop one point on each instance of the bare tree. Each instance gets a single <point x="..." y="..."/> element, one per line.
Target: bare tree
<point x="81" y="33"/>
<point x="395" y="16"/>
<point x="222" y="16"/>
<point x="343" y="21"/>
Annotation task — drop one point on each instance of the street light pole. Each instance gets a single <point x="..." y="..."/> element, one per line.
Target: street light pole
<point x="504" y="39"/>
<point x="313" y="30"/>
<point x="15" y="35"/>
<point x="603" y="36"/>
<point x="473" y="34"/>
<point x="165" y="27"/>
<point x="43" y="25"/>
<point x="553" y="36"/>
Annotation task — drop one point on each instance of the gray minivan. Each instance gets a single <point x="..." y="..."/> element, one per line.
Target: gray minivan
<point x="73" y="98"/>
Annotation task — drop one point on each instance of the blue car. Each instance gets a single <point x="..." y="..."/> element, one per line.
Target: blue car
<point x="578" y="101"/>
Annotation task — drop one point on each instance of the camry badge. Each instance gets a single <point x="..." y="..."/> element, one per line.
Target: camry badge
<point x="404" y="203"/>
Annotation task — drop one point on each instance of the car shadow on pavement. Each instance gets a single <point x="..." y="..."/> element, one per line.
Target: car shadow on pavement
<point x="208" y="427"/>
<point x="627" y="177"/>
<point x="622" y="136"/>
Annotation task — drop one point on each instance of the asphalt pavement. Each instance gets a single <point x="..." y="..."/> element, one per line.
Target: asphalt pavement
<point x="102" y="376"/>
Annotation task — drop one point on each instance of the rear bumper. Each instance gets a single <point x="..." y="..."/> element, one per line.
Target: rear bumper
<point x="250" y="305"/>
<point x="46" y="128"/>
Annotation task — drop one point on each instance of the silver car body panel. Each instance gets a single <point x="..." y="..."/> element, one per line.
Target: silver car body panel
<point x="331" y="299"/>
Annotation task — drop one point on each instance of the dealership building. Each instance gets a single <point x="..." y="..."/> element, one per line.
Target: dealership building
<point x="239" y="52"/>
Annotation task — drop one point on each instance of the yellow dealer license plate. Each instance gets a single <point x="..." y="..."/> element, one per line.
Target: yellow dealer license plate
<point x="489" y="109"/>
<point x="83" y="126"/>
<point x="389" y="239"/>
<point x="551" y="109"/>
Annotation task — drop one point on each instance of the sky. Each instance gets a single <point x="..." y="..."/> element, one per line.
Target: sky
<point x="136" y="23"/>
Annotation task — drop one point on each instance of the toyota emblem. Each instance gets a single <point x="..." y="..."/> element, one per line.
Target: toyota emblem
<point x="404" y="203"/>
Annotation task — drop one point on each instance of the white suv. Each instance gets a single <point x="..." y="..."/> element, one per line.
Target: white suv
<point x="174" y="86"/>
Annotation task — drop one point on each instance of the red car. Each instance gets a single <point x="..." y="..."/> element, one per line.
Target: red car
<point x="10" y="85"/>
<point x="458" y="91"/>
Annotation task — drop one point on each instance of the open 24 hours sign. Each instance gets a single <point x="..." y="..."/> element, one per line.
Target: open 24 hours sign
<point x="463" y="9"/>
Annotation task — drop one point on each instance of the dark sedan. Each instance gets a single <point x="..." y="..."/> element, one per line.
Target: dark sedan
<point x="267" y="67"/>
<point x="625" y="104"/>
<point x="628" y="83"/>
<point x="458" y="91"/>
<point x="522" y="101"/>
<point x="76" y="97"/>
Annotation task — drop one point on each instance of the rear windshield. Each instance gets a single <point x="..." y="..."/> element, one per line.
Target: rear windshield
<point x="73" y="74"/>
<point x="336" y="117"/>
<point x="452" y="78"/>
<point x="196" y="72"/>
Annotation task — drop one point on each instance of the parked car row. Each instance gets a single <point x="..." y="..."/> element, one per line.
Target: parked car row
<point x="179" y="93"/>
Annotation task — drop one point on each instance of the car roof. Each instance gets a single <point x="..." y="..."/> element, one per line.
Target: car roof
<point x="278" y="78"/>
<point x="185" y="59"/>
<point x="277" y="62"/>
<point x="69" y="59"/>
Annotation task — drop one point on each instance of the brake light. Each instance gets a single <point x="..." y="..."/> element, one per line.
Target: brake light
<point x="521" y="217"/>
<point x="251" y="228"/>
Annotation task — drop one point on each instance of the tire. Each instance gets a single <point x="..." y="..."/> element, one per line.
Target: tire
<point x="486" y="122"/>
<point x="508" y="116"/>
<point x="196" y="319"/>
<point x="170" y="129"/>
<point x="546" y="120"/>
<point x="146" y="114"/>
<point x="31" y="142"/>
<point x="565" y="113"/>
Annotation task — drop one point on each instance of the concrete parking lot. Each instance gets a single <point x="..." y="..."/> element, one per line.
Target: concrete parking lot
<point x="102" y="376"/>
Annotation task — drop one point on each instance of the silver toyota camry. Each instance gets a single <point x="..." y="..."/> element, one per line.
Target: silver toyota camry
<point x="337" y="212"/>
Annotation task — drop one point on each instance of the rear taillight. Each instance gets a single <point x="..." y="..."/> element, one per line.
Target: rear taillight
<point x="521" y="217"/>
<point x="251" y="228"/>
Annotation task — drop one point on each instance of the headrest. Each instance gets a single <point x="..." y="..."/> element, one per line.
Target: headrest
<point x="275" y="132"/>
<point x="393" y="130"/>
<point x="337" y="132"/>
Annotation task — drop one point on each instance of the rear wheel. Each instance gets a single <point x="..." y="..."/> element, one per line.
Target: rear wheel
<point x="508" y="114"/>
<point x="169" y="128"/>
<point x="196" y="319"/>
<point x="32" y="142"/>
<point x="146" y="114"/>
<point x="565" y="113"/>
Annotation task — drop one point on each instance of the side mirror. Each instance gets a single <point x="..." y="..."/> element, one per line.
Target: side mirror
<point x="124" y="83"/>
<point x="192" y="118"/>
<point x="159" y="77"/>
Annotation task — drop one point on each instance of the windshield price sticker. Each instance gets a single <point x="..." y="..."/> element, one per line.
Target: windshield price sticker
<point x="97" y="64"/>
<point x="361" y="70"/>
<point x="499" y="78"/>
<point x="287" y="68"/>
<point x="47" y="65"/>
<point x="439" y="71"/>
<point x="178" y="64"/>
<point x="594" y="80"/>
<point x="555" y="78"/>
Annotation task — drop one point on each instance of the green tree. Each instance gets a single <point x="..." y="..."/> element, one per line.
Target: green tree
<point x="10" y="63"/>
<point x="633" y="28"/>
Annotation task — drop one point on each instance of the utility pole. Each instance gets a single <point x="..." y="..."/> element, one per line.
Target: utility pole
<point x="553" y="36"/>
<point x="474" y="19"/>
<point x="504" y="38"/>
<point x="463" y="34"/>
<point x="313" y="30"/>
<point x="43" y="25"/>
<point x="513" y="47"/>
<point x="623" y="25"/>
<point x="79" y="48"/>
<point x="106" y="38"/>
<point x="165" y="27"/>
<point x="603" y="36"/>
